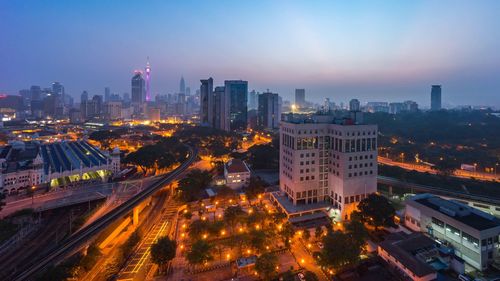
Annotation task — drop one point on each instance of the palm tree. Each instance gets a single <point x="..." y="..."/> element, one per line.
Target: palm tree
<point x="266" y="266"/>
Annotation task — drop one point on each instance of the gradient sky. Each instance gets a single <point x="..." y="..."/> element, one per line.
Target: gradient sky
<point x="372" y="50"/>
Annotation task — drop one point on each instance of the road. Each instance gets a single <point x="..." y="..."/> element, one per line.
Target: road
<point x="138" y="265"/>
<point x="427" y="169"/>
<point x="85" y="235"/>
<point x="438" y="190"/>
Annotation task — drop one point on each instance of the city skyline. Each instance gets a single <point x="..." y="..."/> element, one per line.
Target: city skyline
<point x="333" y="50"/>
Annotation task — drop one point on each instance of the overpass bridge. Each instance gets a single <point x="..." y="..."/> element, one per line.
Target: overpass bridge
<point x="81" y="238"/>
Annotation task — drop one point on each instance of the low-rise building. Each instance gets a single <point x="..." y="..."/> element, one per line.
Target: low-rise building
<point x="410" y="255"/>
<point x="472" y="234"/>
<point x="27" y="164"/>
<point x="237" y="173"/>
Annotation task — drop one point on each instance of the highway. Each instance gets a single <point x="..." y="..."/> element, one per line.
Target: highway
<point x="437" y="190"/>
<point x="82" y="237"/>
<point x="427" y="169"/>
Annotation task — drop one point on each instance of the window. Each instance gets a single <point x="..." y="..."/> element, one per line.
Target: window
<point x="437" y="222"/>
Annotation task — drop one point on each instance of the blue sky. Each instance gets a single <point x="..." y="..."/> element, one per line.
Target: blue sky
<point x="372" y="50"/>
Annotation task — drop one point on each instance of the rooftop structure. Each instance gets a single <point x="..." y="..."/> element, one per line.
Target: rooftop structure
<point x="26" y="164"/>
<point x="411" y="254"/>
<point x="472" y="233"/>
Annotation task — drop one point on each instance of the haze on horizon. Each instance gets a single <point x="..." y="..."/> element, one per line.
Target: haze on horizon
<point x="374" y="51"/>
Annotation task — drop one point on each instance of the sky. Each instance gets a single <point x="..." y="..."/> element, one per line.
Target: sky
<point x="370" y="50"/>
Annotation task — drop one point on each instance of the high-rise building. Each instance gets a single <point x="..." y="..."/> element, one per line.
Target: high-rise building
<point x="221" y="106"/>
<point x="436" y="97"/>
<point x="113" y="110"/>
<point x="237" y="92"/>
<point x="325" y="164"/>
<point x="107" y="94"/>
<point x="148" y="81"/>
<point x="269" y="110"/>
<point x="84" y="97"/>
<point x="252" y="100"/>
<point x="36" y="93"/>
<point x="138" y="88"/>
<point x="188" y="91"/>
<point x="354" y="105"/>
<point x="207" y="102"/>
<point x="300" y="97"/>
<point x="182" y="86"/>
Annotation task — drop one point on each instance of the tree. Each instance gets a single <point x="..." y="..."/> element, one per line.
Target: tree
<point x="377" y="211"/>
<point x="286" y="233"/>
<point x="264" y="156"/>
<point x="225" y="193"/>
<point x="163" y="251"/>
<point x="357" y="231"/>
<point x="266" y="266"/>
<point x="257" y="239"/>
<point x="194" y="182"/>
<point x="233" y="215"/>
<point x="2" y="200"/>
<point x="200" y="253"/>
<point x="254" y="188"/>
<point x="318" y="232"/>
<point x="105" y="137"/>
<point x="339" y="251"/>
<point x="197" y="228"/>
<point x="306" y="234"/>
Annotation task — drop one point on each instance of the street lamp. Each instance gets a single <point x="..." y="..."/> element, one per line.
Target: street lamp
<point x="33" y="195"/>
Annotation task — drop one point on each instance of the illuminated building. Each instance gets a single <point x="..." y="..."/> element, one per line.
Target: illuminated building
<point x="237" y="93"/>
<point x="473" y="234"/>
<point x="27" y="164"/>
<point x="148" y="81"/>
<point x="236" y="173"/>
<point x="326" y="163"/>
<point x="300" y="98"/>
<point x="138" y="88"/>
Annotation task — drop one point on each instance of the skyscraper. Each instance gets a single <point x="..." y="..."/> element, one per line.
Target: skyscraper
<point x="138" y="90"/>
<point x="107" y="93"/>
<point x="252" y="100"/>
<point x="206" y="102"/>
<point x="237" y="92"/>
<point x="84" y="97"/>
<point x="148" y="81"/>
<point x="182" y="86"/>
<point x="354" y="105"/>
<point x="436" y="97"/>
<point x="221" y="112"/>
<point x="300" y="97"/>
<point x="269" y="110"/>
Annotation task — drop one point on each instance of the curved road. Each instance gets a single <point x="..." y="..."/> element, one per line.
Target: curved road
<point x="80" y="238"/>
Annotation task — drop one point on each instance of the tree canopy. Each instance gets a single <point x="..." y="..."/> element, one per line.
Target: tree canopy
<point x="199" y="253"/>
<point x="266" y="266"/>
<point x="163" y="250"/>
<point x="376" y="210"/>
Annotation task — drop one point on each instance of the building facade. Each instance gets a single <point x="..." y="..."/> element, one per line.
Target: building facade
<point x="269" y="111"/>
<point x="138" y="88"/>
<point x="300" y="97"/>
<point x="27" y="164"/>
<point x="436" y="97"/>
<point x="473" y="234"/>
<point x="237" y="93"/>
<point x="236" y="173"/>
<point x="326" y="160"/>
